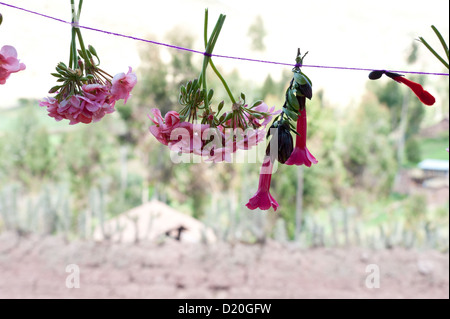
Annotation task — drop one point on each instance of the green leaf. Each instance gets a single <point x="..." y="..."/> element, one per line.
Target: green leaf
<point x="299" y="78"/>
<point x="56" y="75"/>
<point x="433" y="52"/>
<point x="92" y="50"/>
<point x="195" y="85"/>
<point x="222" y="118"/>
<point x="210" y="94"/>
<point x="54" y="89"/>
<point x="441" y="39"/>
<point x="293" y="115"/>
<point x="259" y="102"/>
<point x="229" y="116"/>
<point x="243" y="97"/>
<point x="292" y="100"/>
<point x="183" y="90"/>
<point x="220" y="106"/>
<point x="82" y="54"/>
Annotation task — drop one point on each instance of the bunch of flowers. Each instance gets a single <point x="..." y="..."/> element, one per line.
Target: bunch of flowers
<point x="86" y="93"/>
<point x="8" y="61"/>
<point x="199" y="129"/>
<point x="281" y="146"/>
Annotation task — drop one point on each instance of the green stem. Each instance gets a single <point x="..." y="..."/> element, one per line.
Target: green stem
<point x="216" y="71"/>
<point x="73" y="45"/>
<point x="209" y="49"/>
<point x="434" y="52"/>
<point x="83" y="49"/>
<point x="224" y="83"/>
<point x="79" y="9"/>
<point x="441" y="39"/>
<point x="73" y="52"/>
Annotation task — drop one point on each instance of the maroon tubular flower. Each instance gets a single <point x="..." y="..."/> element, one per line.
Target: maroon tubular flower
<point x="301" y="154"/>
<point x="424" y="96"/>
<point x="263" y="199"/>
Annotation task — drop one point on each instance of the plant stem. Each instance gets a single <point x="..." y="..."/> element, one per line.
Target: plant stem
<point x="224" y="83"/>
<point x="216" y="71"/>
<point x="80" y="4"/>
<point x="73" y="45"/>
<point x="208" y="50"/>
<point x="434" y="52"/>
<point x="83" y="49"/>
<point x="441" y="39"/>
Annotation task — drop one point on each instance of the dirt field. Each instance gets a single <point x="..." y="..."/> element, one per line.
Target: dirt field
<point x="34" y="267"/>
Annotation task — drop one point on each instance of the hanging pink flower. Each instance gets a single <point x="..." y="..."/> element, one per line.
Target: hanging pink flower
<point x="122" y="84"/>
<point x="301" y="155"/>
<point x="52" y="105"/>
<point x="250" y="138"/>
<point x="9" y="63"/>
<point x="263" y="199"/>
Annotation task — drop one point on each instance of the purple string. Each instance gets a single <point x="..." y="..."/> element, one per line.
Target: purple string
<point x="216" y="55"/>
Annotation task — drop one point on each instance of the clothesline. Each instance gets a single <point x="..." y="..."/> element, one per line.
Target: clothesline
<point x="215" y="55"/>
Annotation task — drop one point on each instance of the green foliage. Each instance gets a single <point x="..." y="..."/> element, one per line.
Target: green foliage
<point x="368" y="155"/>
<point x="434" y="148"/>
<point x="257" y="33"/>
<point x="269" y="88"/>
<point x="413" y="150"/>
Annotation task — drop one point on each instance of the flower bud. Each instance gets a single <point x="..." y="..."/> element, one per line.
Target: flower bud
<point x="285" y="143"/>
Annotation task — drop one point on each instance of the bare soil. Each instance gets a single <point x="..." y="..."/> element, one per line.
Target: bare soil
<point x="35" y="267"/>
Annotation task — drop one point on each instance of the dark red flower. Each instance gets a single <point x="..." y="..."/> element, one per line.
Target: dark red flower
<point x="301" y="154"/>
<point x="263" y="199"/>
<point x="424" y="96"/>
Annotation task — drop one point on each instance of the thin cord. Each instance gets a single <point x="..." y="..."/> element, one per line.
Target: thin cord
<point x="215" y="55"/>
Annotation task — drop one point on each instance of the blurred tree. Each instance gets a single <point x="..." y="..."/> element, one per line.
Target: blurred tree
<point x="257" y="33"/>
<point x="368" y="155"/>
<point x="27" y="149"/>
<point x="269" y="87"/>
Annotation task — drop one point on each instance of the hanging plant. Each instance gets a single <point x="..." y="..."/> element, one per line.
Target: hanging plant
<point x="202" y="128"/>
<point x="281" y="147"/>
<point x="8" y="61"/>
<point x="85" y="93"/>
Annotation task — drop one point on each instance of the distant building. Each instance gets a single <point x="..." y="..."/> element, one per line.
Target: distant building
<point x="434" y="168"/>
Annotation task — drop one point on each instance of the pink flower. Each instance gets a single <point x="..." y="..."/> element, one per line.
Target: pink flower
<point x="164" y="126"/>
<point x="263" y="107"/>
<point x="9" y="63"/>
<point x="301" y="154"/>
<point x="250" y="138"/>
<point x="52" y="105"/>
<point x="217" y="152"/>
<point x="183" y="138"/>
<point x="122" y="84"/>
<point x="263" y="199"/>
<point x="171" y="120"/>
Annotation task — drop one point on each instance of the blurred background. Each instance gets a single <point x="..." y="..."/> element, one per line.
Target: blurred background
<point x="382" y="178"/>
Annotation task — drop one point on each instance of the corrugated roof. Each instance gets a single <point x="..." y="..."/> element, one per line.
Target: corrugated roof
<point x="434" y="165"/>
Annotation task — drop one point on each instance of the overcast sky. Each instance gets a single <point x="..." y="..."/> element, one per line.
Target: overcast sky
<point x="352" y="33"/>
